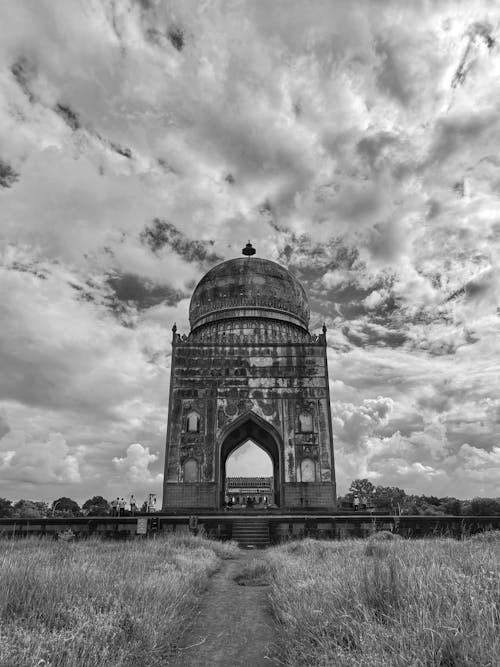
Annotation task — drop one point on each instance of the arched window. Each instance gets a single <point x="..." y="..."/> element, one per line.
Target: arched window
<point x="193" y="422"/>
<point x="307" y="470"/>
<point x="305" y="422"/>
<point x="190" y="470"/>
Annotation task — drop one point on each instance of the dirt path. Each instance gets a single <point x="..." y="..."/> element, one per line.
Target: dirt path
<point x="233" y="626"/>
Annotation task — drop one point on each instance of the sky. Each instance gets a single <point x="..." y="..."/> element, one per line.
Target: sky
<point x="143" y="142"/>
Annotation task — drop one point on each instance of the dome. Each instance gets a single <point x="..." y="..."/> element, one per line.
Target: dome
<point x="249" y="287"/>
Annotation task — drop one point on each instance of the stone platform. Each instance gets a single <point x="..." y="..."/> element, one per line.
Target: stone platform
<point x="220" y="525"/>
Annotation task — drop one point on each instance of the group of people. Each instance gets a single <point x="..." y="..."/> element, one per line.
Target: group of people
<point x="357" y="503"/>
<point x="246" y="501"/>
<point x="118" y="506"/>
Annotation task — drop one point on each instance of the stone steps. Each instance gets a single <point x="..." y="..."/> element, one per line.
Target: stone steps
<point x="251" y="533"/>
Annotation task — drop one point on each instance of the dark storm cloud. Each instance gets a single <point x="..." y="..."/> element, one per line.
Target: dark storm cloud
<point x="69" y="116"/>
<point x="161" y="233"/>
<point x="124" y="152"/>
<point x="151" y="19"/>
<point x="133" y="289"/>
<point x="33" y="268"/>
<point x="476" y="287"/>
<point x="7" y="175"/>
<point x="478" y="31"/>
<point x="4" y="427"/>
<point x="24" y="72"/>
<point x="176" y="37"/>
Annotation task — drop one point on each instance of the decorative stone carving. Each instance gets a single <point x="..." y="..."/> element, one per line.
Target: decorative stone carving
<point x="245" y="405"/>
<point x="291" y="467"/>
<point x="231" y="409"/>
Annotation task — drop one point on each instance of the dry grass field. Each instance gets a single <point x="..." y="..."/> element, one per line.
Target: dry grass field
<point x="390" y="603"/>
<point x="94" y="603"/>
<point x="353" y="603"/>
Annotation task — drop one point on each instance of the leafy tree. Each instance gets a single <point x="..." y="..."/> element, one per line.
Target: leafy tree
<point x="485" y="506"/>
<point x="96" y="506"/>
<point x="391" y="496"/>
<point x="411" y="505"/>
<point x="362" y="487"/>
<point x="5" y="507"/>
<point x="65" y="507"/>
<point x="431" y="510"/>
<point x="451" y="506"/>
<point x="431" y="500"/>
<point x="27" y="509"/>
<point x="42" y="507"/>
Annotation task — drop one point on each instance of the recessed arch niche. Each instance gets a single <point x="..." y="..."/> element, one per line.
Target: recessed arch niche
<point x="190" y="470"/>
<point x="307" y="470"/>
<point x="193" y="420"/>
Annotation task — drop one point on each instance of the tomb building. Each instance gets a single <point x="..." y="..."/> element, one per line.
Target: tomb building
<point x="249" y="369"/>
<point x="259" y="490"/>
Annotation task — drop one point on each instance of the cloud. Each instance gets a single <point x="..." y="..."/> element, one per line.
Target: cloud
<point x="249" y="457"/>
<point x="452" y="132"/>
<point x="143" y="142"/>
<point x="59" y="350"/>
<point x="352" y="424"/>
<point x="162" y="233"/>
<point x="4" y="427"/>
<point x="375" y="298"/>
<point x="135" y="465"/>
<point x="38" y="462"/>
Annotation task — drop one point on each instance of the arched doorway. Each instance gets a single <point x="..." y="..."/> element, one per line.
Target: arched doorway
<point x="254" y="428"/>
<point x="249" y="477"/>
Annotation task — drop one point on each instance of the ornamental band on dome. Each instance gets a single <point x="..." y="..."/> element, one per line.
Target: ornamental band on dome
<point x="249" y="369"/>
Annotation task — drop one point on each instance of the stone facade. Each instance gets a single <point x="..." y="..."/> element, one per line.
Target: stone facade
<point x="249" y="369"/>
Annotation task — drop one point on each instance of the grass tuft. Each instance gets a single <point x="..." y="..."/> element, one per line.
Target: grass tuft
<point x="486" y="536"/>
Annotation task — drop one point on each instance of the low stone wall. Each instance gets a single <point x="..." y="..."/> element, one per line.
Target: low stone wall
<point x="219" y="525"/>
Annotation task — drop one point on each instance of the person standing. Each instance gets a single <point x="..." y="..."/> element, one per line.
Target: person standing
<point x="356" y="503"/>
<point x="121" y="505"/>
<point x="133" y="506"/>
<point x="114" y="507"/>
<point x="152" y="502"/>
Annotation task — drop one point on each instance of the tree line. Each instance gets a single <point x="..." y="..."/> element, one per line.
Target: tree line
<point x="61" y="507"/>
<point x="397" y="500"/>
<point x="377" y="497"/>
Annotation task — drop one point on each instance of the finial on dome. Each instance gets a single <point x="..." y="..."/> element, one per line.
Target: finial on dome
<point x="248" y="250"/>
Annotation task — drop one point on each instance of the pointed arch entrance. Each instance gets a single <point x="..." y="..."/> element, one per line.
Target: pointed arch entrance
<point x="251" y="427"/>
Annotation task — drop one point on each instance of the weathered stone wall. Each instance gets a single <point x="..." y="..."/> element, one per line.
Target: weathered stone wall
<point x="225" y="379"/>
